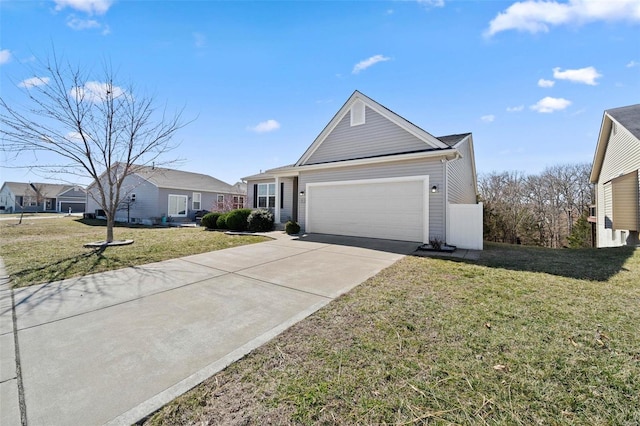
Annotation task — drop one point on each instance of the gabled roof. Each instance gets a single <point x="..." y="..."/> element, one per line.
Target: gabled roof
<point x="178" y="179"/>
<point x="47" y="190"/>
<point x="453" y="140"/>
<point x="627" y="117"/>
<point x="431" y="142"/>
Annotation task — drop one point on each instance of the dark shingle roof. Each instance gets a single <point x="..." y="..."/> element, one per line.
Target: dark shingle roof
<point x="452" y="140"/>
<point x="629" y="117"/>
<point x="178" y="179"/>
<point x="51" y="190"/>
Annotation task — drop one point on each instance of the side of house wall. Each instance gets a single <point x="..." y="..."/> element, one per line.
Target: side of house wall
<point x="146" y="199"/>
<point x="622" y="156"/>
<point x="7" y="200"/>
<point x="462" y="185"/>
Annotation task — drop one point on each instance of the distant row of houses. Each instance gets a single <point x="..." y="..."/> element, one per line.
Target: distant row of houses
<point x="369" y="173"/>
<point x="148" y="195"/>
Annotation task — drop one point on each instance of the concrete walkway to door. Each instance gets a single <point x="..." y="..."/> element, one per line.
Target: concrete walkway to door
<point x="113" y="347"/>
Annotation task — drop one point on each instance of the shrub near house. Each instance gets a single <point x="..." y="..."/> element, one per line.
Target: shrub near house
<point x="239" y="220"/>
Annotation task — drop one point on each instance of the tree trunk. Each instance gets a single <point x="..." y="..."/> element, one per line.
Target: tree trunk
<point x="110" y="223"/>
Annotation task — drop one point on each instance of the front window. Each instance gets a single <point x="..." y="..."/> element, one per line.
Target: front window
<point x="238" y="202"/>
<point x="220" y="202"/>
<point x="177" y="205"/>
<point x="266" y="195"/>
<point x="197" y="201"/>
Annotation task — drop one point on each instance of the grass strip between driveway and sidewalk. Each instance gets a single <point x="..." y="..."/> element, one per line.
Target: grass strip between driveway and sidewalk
<point x="45" y="250"/>
<point x="522" y="336"/>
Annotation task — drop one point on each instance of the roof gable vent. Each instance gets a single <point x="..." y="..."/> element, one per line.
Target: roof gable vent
<point x="357" y="113"/>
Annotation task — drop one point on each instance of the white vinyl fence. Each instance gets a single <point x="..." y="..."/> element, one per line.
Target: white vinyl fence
<point x="464" y="226"/>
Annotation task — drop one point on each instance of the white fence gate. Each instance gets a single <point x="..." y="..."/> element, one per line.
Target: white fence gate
<point x="464" y="226"/>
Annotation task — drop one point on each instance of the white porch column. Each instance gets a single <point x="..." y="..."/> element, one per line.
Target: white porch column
<point x="277" y="206"/>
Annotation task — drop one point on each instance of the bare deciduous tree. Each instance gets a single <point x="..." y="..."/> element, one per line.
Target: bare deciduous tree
<point x="537" y="209"/>
<point x="97" y="128"/>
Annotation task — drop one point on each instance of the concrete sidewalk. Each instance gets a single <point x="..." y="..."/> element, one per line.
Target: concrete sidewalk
<point x="114" y="347"/>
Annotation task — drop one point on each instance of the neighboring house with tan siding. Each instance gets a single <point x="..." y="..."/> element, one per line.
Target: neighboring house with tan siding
<point x="616" y="173"/>
<point x="150" y="193"/>
<point x="371" y="173"/>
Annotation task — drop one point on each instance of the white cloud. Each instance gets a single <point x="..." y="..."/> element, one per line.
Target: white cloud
<point x="632" y="64"/>
<point x="265" y="126"/>
<point x="431" y="3"/>
<point x="5" y="56"/>
<point x="515" y="108"/>
<point x="537" y="16"/>
<point x="546" y="83"/>
<point x="586" y="75"/>
<point x="33" y="82"/>
<point x="549" y="104"/>
<point x="80" y="24"/>
<point x="91" y="7"/>
<point x="488" y="118"/>
<point x="94" y="91"/>
<point x="363" y="65"/>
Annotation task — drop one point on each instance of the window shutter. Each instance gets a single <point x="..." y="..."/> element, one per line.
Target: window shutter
<point x="255" y="196"/>
<point x="282" y="195"/>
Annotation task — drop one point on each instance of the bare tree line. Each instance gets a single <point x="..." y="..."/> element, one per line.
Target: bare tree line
<point x="547" y="209"/>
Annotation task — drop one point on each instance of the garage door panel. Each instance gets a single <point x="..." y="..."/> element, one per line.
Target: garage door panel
<point x="75" y="207"/>
<point x="381" y="209"/>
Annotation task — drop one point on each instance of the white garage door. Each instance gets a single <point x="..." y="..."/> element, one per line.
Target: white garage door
<point x="395" y="209"/>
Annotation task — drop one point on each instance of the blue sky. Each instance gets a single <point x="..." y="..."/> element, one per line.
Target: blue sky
<point x="529" y="79"/>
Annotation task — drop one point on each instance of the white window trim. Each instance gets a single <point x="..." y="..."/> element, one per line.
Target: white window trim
<point x="186" y="205"/>
<point x="239" y="201"/>
<point x="197" y="195"/>
<point x="268" y="196"/>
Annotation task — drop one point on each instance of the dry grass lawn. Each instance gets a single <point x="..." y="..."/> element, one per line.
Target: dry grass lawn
<point x="523" y="336"/>
<point x="44" y="250"/>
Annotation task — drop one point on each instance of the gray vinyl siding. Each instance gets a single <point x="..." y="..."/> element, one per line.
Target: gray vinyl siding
<point x="250" y="184"/>
<point x="7" y="200"/>
<point x="286" y="212"/>
<point x="433" y="168"/>
<point x="622" y="156"/>
<point x="378" y="136"/>
<point x="152" y="202"/>
<point x="146" y="204"/>
<point x="462" y="186"/>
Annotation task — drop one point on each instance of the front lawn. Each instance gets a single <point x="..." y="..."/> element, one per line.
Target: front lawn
<point x="45" y="250"/>
<point x="522" y="336"/>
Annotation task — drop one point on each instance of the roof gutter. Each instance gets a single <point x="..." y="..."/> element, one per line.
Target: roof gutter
<point x="448" y="154"/>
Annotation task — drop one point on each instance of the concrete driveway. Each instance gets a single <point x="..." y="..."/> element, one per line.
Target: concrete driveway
<point x="114" y="347"/>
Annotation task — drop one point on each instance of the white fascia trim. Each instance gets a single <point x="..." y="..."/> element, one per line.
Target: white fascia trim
<point x="425" y="199"/>
<point x="295" y="170"/>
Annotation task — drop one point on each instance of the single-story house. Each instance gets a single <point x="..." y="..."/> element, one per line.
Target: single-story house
<point x="371" y="173"/>
<point x="152" y="193"/>
<point x="616" y="173"/>
<point x="41" y="197"/>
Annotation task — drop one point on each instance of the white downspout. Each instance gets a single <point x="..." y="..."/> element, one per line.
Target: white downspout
<point x="277" y="206"/>
<point x="446" y="198"/>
